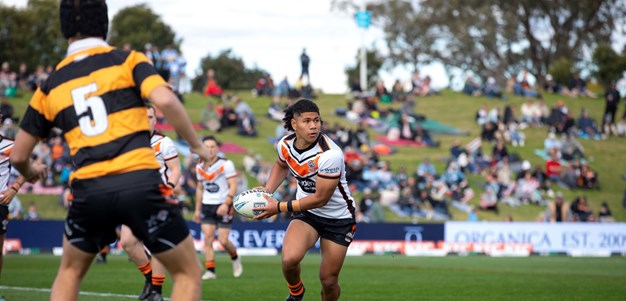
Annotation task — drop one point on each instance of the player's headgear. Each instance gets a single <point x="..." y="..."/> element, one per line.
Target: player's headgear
<point x="85" y="18"/>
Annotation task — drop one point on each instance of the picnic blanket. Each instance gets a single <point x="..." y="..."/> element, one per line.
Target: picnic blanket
<point x="167" y="127"/>
<point x="399" y="142"/>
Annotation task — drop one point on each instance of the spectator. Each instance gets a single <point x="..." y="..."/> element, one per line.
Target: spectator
<point x="612" y="98"/>
<point x="8" y="129"/>
<point x="604" y="214"/>
<point x="381" y="92"/>
<point x="6" y="109"/>
<point x="15" y="208"/>
<point x="489" y="197"/>
<point x="528" y="114"/>
<point x="621" y="127"/>
<point x="32" y="214"/>
<point x="275" y="110"/>
<point x="242" y="107"/>
<point x="558" y="210"/>
<point x="550" y="85"/>
<point x="552" y="144"/>
<point x="581" y="211"/>
<point x="491" y="89"/>
<point x="527" y="189"/>
<point x="246" y="126"/>
<point x="229" y="117"/>
<point x="576" y="86"/>
<point x="22" y="77"/>
<point x="571" y="149"/>
<point x="471" y="87"/>
<point x="304" y="63"/>
<point x="212" y="88"/>
<point x="209" y="118"/>
<point x="282" y="90"/>
<point x="416" y="83"/>
<point x="588" y="179"/>
<point x="8" y="79"/>
<point x="554" y="167"/>
<point x="169" y="56"/>
<point x="426" y="168"/>
<point x="499" y="151"/>
<point x="587" y="126"/>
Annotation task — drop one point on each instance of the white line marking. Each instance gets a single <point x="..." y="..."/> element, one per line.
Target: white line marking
<point x="47" y="290"/>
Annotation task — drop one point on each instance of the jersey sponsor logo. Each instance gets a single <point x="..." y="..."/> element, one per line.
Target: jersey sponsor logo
<point x="211" y="187"/>
<point x="307" y="185"/>
<point x="330" y="170"/>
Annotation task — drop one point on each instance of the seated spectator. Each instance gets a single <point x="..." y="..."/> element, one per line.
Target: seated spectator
<point x="282" y="90"/>
<point x="489" y="197"/>
<point x="550" y="85"/>
<point x="275" y="110"/>
<point x="427" y="89"/>
<point x="7" y="129"/>
<point x="554" y="168"/>
<point x="6" y="109"/>
<point x="528" y="114"/>
<point x="541" y="111"/>
<point x="32" y="214"/>
<point x="210" y="118"/>
<point x="571" y="149"/>
<point x="552" y="144"/>
<point x="212" y="88"/>
<point x="397" y="91"/>
<point x="491" y="89"/>
<point x="241" y="107"/>
<point x="439" y="195"/>
<point x="587" y="126"/>
<point x="499" y="151"/>
<point x="558" y="211"/>
<point x="471" y="87"/>
<point x="576" y="86"/>
<point x="426" y="168"/>
<point x="381" y="92"/>
<point x="527" y="189"/>
<point x="523" y="88"/>
<point x="581" y="211"/>
<point x="245" y="126"/>
<point x="604" y="214"/>
<point x="8" y="79"/>
<point x="570" y="176"/>
<point x="588" y="179"/>
<point x="416" y="83"/>
<point x="229" y="117"/>
<point x="515" y="135"/>
<point x="621" y="127"/>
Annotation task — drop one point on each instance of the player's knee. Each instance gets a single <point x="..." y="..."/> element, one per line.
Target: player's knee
<point x="290" y="262"/>
<point x="223" y="240"/>
<point x="329" y="282"/>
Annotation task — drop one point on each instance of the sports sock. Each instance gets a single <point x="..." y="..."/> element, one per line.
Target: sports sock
<point x="157" y="283"/>
<point x="296" y="289"/>
<point x="210" y="265"/>
<point x="234" y="256"/>
<point x="146" y="270"/>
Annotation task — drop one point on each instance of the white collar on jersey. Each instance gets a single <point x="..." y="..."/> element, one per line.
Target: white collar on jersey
<point x="84" y="44"/>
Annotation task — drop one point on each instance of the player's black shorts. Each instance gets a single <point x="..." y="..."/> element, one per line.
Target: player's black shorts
<point x="93" y="217"/>
<point x="340" y="231"/>
<point x="209" y="216"/>
<point x="4" y="219"/>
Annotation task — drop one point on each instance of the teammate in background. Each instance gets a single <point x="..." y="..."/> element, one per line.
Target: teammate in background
<point x="323" y="209"/>
<point x="95" y="96"/>
<point x="8" y="192"/>
<point x="151" y="268"/>
<point x="217" y="186"/>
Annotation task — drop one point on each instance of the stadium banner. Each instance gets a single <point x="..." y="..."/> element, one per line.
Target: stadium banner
<point x="45" y="235"/>
<point x="270" y="235"/>
<point x="544" y="237"/>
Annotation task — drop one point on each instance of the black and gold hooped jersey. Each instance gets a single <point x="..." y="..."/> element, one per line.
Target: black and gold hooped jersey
<point x="95" y="96"/>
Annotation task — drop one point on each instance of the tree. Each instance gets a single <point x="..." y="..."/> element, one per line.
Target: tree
<point x="493" y="37"/>
<point x="374" y="63"/>
<point x="610" y="66"/>
<point x="31" y="35"/>
<point x="138" y="25"/>
<point x="230" y="71"/>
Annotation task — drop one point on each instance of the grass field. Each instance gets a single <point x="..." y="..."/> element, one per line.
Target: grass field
<point x="607" y="157"/>
<point x="27" y="278"/>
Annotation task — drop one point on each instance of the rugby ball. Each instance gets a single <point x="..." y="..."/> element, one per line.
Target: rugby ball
<point x="246" y="201"/>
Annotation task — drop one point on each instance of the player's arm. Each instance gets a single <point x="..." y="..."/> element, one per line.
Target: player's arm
<point x="196" y="213"/>
<point x="277" y="175"/>
<point x="20" y="157"/>
<point x="232" y="190"/>
<point x="7" y="195"/>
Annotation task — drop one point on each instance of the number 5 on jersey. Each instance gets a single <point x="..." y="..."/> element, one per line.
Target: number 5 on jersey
<point x="91" y="112"/>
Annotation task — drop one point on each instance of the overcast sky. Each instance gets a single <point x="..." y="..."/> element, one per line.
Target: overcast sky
<point x="271" y="34"/>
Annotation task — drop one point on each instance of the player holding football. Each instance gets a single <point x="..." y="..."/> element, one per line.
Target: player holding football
<point x="8" y="192"/>
<point x="323" y="209"/>
<point x="151" y="268"/>
<point x="217" y="185"/>
<point x="96" y="97"/>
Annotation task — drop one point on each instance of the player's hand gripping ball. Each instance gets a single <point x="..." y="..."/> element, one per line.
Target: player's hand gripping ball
<point x="247" y="201"/>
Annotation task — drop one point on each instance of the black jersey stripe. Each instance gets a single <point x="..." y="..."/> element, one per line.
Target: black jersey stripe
<point x="84" y="67"/>
<point x="114" y="101"/>
<point x="107" y="151"/>
<point x="142" y="71"/>
<point x="349" y="201"/>
<point x="36" y="123"/>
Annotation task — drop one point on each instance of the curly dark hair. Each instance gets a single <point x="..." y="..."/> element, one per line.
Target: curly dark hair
<point x="301" y="106"/>
<point x="84" y="18"/>
<point x="210" y="137"/>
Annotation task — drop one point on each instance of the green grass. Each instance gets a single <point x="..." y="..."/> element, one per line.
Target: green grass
<point x="607" y="157"/>
<point x="362" y="278"/>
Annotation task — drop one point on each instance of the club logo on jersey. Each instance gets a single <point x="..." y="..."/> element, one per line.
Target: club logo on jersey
<point x="211" y="187"/>
<point x="307" y="185"/>
<point x="312" y="165"/>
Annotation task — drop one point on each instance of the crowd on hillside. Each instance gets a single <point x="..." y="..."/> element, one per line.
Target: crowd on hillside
<point x="419" y="191"/>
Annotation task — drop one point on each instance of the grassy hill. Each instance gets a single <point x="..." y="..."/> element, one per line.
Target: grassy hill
<point x="607" y="157"/>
